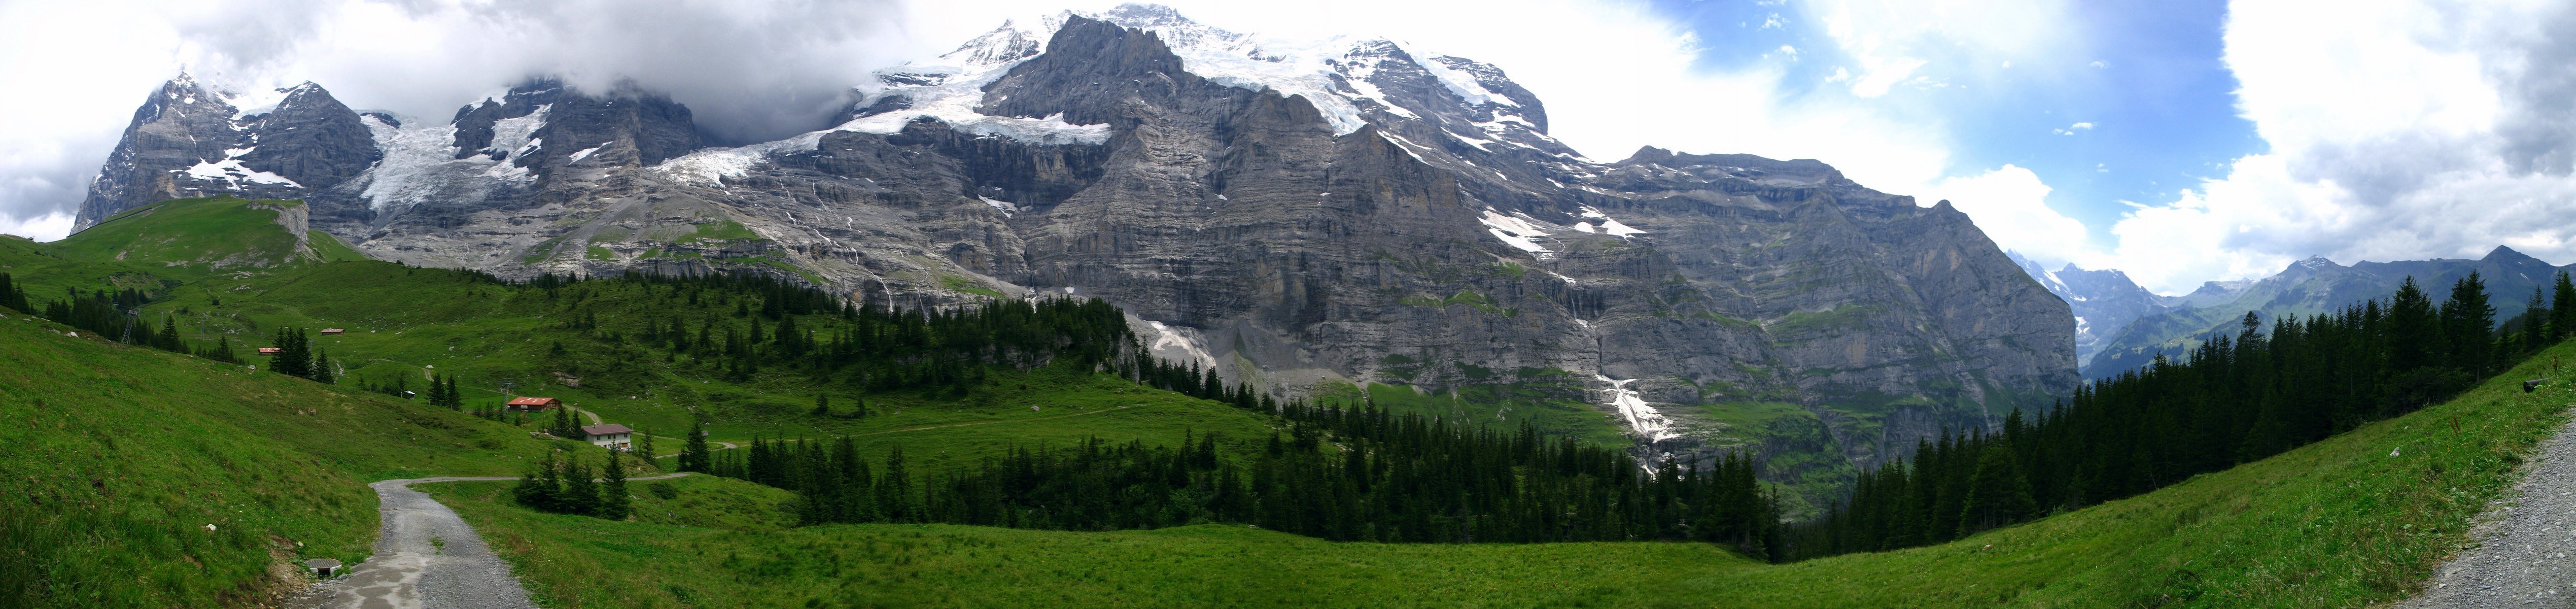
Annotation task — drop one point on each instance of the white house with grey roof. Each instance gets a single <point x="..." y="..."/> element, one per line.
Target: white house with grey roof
<point x="611" y="436"/>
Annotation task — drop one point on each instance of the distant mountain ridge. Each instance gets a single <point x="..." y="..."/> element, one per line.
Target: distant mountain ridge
<point x="2117" y="340"/>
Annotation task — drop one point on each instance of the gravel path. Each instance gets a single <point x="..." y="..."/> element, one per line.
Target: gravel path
<point x="2523" y="556"/>
<point x="410" y="571"/>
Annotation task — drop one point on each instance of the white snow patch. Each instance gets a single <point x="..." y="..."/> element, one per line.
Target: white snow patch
<point x="711" y="166"/>
<point x="1174" y="340"/>
<point x="231" y="172"/>
<point x="1615" y="229"/>
<point x="420" y="165"/>
<point x="1516" y="231"/>
<point x="1007" y="208"/>
<point x="513" y="134"/>
<point x="1610" y="225"/>
<point x="585" y="152"/>
<point x="1642" y="419"/>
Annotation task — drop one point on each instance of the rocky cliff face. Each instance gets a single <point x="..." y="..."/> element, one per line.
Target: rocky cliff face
<point x="1287" y="214"/>
<point x="188" y="140"/>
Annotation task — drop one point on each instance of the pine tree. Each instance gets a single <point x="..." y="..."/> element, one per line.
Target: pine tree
<point x="695" y="457"/>
<point x="322" y="368"/>
<point x="563" y="423"/>
<point x="1998" y="494"/>
<point x="823" y="406"/>
<point x="291" y="359"/>
<point x="580" y="493"/>
<point x="2535" y="317"/>
<point x="894" y="490"/>
<point x="12" y="297"/>
<point x="614" y="504"/>
<point x="2468" y="321"/>
<point x="542" y="490"/>
<point x="644" y="442"/>
<point x="2562" y="313"/>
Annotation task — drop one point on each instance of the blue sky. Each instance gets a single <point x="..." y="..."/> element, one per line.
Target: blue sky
<point x="2151" y="87"/>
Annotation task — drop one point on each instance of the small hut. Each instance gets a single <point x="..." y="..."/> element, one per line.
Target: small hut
<point x="533" y="404"/>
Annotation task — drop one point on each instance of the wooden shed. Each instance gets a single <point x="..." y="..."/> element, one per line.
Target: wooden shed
<point x="533" y="404"/>
<point x="331" y="331"/>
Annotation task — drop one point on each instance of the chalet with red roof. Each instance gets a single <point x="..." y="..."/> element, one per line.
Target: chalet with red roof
<point x="533" y="404"/>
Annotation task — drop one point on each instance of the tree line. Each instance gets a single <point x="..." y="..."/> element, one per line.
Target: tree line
<point x="565" y="486"/>
<point x="1356" y="473"/>
<point x="2233" y="400"/>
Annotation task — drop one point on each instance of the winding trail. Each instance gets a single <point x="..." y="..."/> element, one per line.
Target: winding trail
<point x="2526" y="555"/>
<point x="426" y="558"/>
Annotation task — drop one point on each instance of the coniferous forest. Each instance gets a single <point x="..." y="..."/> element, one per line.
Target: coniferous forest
<point x="2235" y="399"/>
<point x="1347" y="474"/>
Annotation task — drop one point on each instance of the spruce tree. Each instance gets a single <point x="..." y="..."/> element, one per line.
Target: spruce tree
<point x="580" y="494"/>
<point x="532" y="491"/>
<point x="2535" y="317"/>
<point x="614" y="504"/>
<point x="2562" y="313"/>
<point x="1998" y="494"/>
<point x="894" y="490"/>
<point x="291" y="359"/>
<point x="694" y="457"/>
<point x="823" y="406"/>
<point x="2468" y="322"/>
<point x="322" y="368"/>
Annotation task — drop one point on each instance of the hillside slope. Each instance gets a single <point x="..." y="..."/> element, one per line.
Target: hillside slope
<point x="118" y="458"/>
<point x="2350" y="521"/>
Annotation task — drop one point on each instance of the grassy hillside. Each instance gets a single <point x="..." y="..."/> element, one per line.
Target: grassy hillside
<point x="2352" y="521"/>
<point x="116" y="458"/>
<point x="666" y="561"/>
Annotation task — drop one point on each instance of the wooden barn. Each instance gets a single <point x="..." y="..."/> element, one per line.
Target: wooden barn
<point x="533" y="404"/>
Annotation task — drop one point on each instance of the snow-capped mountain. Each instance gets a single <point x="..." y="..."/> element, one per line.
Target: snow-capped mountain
<point x="189" y="139"/>
<point x="1288" y="212"/>
<point x="2104" y="301"/>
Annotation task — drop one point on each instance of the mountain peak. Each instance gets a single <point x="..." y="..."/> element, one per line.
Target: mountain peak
<point x="2506" y="254"/>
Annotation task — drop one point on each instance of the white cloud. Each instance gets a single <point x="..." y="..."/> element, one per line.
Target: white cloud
<point x="2398" y="130"/>
<point x="1891" y="40"/>
<point x="2011" y="205"/>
